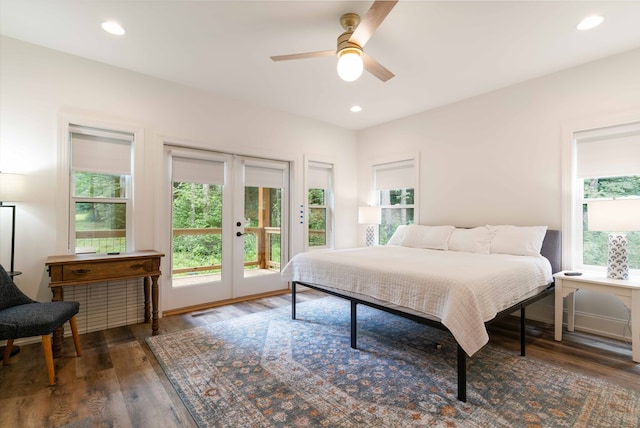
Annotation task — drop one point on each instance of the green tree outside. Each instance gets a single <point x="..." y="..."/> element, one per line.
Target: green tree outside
<point x="595" y="250"/>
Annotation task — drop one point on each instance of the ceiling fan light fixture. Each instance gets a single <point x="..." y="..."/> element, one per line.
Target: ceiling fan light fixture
<point x="350" y="64"/>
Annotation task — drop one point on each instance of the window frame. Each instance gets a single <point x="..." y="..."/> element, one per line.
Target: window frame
<point x="579" y="221"/>
<point x="325" y="208"/>
<point x="408" y="160"/>
<point x="573" y="186"/>
<point x="328" y="205"/>
<point x="136" y="214"/>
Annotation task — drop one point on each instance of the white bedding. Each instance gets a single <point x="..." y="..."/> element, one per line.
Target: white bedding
<point x="462" y="290"/>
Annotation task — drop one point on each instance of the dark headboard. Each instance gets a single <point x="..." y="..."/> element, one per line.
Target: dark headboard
<point x="552" y="249"/>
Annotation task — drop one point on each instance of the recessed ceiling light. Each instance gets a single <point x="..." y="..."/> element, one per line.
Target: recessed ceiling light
<point x="355" y="109"/>
<point x="113" y="28"/>
<point x="590" y="22"/>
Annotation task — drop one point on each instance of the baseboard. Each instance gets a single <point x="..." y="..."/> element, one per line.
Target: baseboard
<point x="614" y="328"/>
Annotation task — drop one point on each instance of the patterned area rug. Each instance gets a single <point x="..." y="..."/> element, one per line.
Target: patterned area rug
<point x="266" y="370"/>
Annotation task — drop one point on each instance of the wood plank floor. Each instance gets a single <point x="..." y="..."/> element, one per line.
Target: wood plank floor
<point x="118" y="382"/>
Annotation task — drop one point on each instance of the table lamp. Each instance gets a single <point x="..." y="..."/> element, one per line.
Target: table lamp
<point x="615" y="216"/>
<point x="371" y="216"/>
<point x="11" y="190"/>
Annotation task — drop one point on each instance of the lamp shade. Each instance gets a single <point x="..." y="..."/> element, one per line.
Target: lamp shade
<point x="11" y="187"/>
<point x="617" y="215"/>
<point x="369" y="215"/>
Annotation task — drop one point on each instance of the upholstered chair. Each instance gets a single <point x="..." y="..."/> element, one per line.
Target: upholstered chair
<point x="21" y="316"/>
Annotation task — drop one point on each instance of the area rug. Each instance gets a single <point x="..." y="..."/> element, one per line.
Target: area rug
<point x="267" y="370"/>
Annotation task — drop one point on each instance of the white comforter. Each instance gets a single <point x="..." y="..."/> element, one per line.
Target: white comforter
<point x="462" y="290"/>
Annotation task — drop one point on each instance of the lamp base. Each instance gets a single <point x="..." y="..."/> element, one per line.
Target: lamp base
<point x="371" y="235"/>
<point x="618" y="261"/>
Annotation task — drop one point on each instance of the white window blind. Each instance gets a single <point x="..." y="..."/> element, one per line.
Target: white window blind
<point x="614" y="151"/>
<point x="190" y="170"/>
<point x="394" y="175"/>
<point x="319" y="176"/>
<point x="100" y="151"/>
<point x="271" y="176"/>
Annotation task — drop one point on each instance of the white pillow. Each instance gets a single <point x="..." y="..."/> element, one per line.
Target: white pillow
<point x="398" y="235"/>
<point x="476" y="240"/>
<point x="517" y="240"/>
<point x="432" y="237"/>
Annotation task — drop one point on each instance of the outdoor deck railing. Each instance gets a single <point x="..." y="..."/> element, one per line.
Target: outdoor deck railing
<point x="114" y="240"/>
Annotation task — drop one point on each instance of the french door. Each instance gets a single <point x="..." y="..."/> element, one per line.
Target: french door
<point x="229" y="234"/>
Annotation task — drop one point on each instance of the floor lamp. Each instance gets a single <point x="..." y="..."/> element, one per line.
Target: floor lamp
<point x="615" y="216"/>
<point x="11" y="187"/>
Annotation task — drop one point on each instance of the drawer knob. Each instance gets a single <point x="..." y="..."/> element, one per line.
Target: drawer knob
<point x="81" y="271"/>
<point x="137" y="266"/>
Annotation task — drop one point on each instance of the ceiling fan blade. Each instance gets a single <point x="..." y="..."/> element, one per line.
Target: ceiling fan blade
<point x="374" y="67"/>
<point x="371" y="21"/>
<point x="303" y="55"/>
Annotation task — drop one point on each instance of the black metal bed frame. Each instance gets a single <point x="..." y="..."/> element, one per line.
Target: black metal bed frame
<point x="461" y="354"/>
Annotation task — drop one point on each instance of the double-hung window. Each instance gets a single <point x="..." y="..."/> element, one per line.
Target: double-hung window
<point x="607" y="167"/>
<point x="394" y="185"/>
<point x="100" y="189"/>
<point x="320" y="197"/>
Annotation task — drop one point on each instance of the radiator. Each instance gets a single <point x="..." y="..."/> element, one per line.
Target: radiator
<point x="107" y="305"/>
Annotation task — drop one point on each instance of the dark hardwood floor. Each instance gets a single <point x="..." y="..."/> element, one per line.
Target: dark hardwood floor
<point x="117" y="382"/>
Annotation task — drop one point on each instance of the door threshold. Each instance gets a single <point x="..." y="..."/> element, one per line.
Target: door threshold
<point x="210" y="305"/>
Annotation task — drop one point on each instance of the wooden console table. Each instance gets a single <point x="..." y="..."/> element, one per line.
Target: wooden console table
<point x="70" y="270"/>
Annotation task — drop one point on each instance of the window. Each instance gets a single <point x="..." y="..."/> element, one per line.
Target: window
<point x="608" y="166"/>
<point x="394" y="185"/>
<point x="319" y="202"/>
<point x="100" y="189"/>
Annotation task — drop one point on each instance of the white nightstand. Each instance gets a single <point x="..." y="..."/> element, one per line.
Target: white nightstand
<point x="627" y="290"/>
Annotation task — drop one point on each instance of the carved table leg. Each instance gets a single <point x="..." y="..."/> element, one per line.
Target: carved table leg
<point x="147" y="301"/>
<point x="58" y="334"/>
<point x="154" y="303"/>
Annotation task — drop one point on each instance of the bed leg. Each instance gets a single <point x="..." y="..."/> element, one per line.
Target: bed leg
<point x="523" y="334"/>
<point x="462" y="374"/>
<point x="354" y="324"/>
<point x="293" y="300"/>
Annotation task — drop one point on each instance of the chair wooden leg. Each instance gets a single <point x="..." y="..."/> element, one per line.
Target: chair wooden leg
<point x="76" y="338"/>
<point x="7" y="352"/>
<point x="48" y="358"/>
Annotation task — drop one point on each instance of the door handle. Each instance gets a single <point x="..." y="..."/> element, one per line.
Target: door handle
<point x="240" y="233"/>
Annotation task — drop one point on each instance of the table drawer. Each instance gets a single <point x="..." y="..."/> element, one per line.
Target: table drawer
<point x="108" y="270"/>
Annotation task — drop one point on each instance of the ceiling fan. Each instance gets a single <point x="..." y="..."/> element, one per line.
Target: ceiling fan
<point x="351" y="57"/>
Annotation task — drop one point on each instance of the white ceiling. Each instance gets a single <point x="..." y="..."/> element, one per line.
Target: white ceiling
<point x="440" y="52"/>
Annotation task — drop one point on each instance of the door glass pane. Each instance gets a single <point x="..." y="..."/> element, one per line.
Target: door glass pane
<point x="263" y="216"/>
<point x="197" y="229"/>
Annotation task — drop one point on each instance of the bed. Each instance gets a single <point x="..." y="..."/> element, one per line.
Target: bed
<point x="455" y="279"/>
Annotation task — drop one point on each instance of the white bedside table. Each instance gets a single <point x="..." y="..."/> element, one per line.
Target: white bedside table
<point x="627" y="290"/>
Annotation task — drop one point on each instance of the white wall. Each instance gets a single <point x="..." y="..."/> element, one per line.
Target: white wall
<point x="38" y="85"/>
<point x="496" y="158"/>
